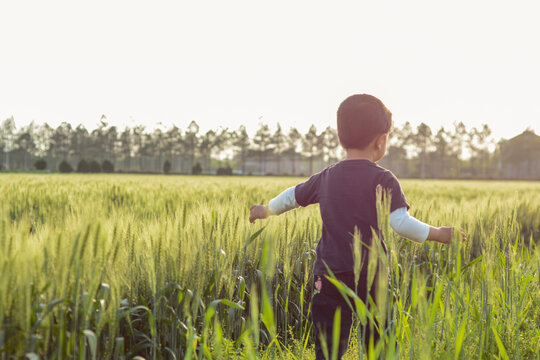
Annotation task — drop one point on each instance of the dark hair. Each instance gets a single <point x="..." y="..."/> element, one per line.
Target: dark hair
<point x="360" y="119"/>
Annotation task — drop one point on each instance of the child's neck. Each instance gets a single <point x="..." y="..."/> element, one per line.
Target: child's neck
<point x="356" y="154"/>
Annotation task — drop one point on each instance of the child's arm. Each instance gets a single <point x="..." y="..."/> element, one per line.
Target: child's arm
<point x="411" y="228"/>
<point x="283" y="202"/>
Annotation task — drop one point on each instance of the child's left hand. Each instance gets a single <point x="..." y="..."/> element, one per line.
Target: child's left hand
<point x="257" y="212"/>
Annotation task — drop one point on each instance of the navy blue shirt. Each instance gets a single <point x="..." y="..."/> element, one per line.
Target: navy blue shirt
<point x="346" y="192"/>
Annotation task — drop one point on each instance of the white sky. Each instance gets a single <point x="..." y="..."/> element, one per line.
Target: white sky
<point x="226" y="63"/>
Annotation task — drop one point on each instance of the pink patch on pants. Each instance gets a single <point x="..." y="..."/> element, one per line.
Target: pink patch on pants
<point x="318" y="284"/>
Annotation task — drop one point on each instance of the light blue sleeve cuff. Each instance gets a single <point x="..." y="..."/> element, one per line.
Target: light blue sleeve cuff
<point x="283" y="202"/>
<point x="408" y="226"/>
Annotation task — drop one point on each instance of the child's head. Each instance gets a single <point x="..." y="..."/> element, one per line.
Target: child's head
<point x="361" y="119"/>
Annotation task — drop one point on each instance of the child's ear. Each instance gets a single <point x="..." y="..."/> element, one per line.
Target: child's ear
<point x="379" y="142"/>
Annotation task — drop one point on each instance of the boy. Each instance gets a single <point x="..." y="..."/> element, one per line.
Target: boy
<point x="346" y="192"/>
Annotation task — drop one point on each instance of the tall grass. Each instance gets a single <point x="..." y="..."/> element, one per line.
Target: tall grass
<point x="169" y="267"/>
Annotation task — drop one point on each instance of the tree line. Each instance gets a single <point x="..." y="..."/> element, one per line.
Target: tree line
<point x="455" y="152"/>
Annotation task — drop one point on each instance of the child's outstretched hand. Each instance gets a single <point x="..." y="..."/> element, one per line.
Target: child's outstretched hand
<point x="444" y="234"/>
<point x="257" y="212"/>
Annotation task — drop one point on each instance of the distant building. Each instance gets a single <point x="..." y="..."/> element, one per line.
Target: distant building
<point x="520" y="157"/>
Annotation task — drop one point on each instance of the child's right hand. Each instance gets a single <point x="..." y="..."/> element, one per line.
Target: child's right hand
<point x="257" y="212"/>
<point x="444" y="234"/>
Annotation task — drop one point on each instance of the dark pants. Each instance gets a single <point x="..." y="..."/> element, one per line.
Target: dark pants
<point x="323" y="307"/>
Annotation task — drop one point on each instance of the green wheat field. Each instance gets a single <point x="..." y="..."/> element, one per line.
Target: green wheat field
<point x="169" y="267"/>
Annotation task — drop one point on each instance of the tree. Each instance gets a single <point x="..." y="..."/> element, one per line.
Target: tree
<point x="40" y="164"/>
<point x="167" y="167"/>
<point x="65" y="167"/>
<point x="471" y="143"/>
<point x="146" y="152"/>
<point x="26" y="144"/>
<point x="7" y="132"/>
<point x="125" y="147"/>
<point x="60" y="144"/>
<point x="111" y="144"/>
<point x="396" y="154"/>
<point x="330" y="144"/>
<point x="158" y="144"/>
<point x="222" y="141"/>
<point x="441" y="142"/>
<point x="42" y="139"/>
<point x="95" y="167"/>
<point x="457" y="142"/>
<point x="311" y="146"/>
<point x="240" y="140"/>
<point x="107" y="166"/>
<point x="191" y="141"/>
<point x="100" y="142"/>
<point x="278" y="143"/>
<point x="442" y="154"/>
<point x="138" y="144"/>
<point x="196" y="169"/>
<point x="80" y="142"/>
<point x="423" y="141"/>
<point x="224" y="171"/>
<point x="483" y="143"/>
<point x="173" y="145"/>
<point x="294" y="138"/>
<point x="396" y="160"/>
<point x="206" y="146"/>
<point x="83" y="166"/>
<point x="263" y="140"/>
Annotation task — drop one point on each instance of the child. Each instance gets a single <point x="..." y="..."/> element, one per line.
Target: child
<point x="346" y="192"/>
